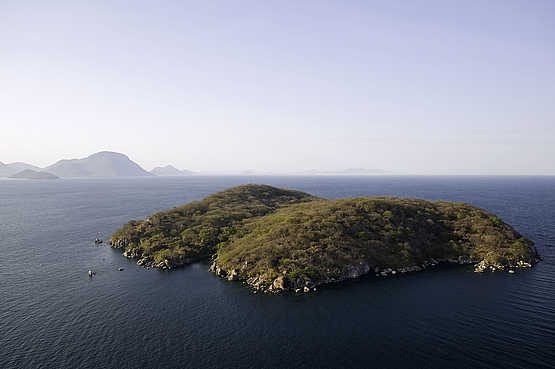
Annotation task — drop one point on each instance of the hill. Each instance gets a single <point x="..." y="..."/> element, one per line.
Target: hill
<point x="20" y="166"/>
<point x="101" y="164"/>
<point x="194" y="231"/>
<point x="170" y="171"/>
<point x="327" y="241"/>
<point x="10" y="169"/>
<point x="5" y="171"/>
<point x="33" y="174"/>
<point x="280" y="240"/>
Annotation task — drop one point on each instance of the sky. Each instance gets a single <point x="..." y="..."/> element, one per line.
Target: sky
<point x="409" y="87"/>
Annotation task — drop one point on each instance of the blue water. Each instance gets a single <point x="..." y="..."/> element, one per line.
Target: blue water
<point x="53" y="316"/>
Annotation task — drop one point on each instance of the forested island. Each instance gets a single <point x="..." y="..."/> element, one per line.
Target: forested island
<point x="278" y="240"/>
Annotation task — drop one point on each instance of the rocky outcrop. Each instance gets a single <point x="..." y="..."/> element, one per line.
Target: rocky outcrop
<point x="145" y="260"/>
<point x="132" y="253"/>
<point x="305" y="285"/>
<point x="118" y="243"/>
<point x="486" y="265"/>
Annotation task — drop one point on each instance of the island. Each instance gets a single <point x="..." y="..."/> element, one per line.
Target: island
<point x="7" y="170"/>
<point x="100" y="164"/>
<point x="33" y="174"/>
<point x="277" y="240"/>
<point x="170" y="171"/>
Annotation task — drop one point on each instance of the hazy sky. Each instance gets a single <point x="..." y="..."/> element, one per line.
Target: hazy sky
<point x="421" y="87"/>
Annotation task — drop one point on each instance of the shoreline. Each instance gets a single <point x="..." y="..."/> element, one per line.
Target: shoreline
<point x="283" y="285"/>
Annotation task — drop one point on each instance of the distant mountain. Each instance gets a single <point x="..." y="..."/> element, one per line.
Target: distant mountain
<point x="7" y="170"/>
<point x="170" y="171"/>
<point x="19" y="166"/>
<point x="33" y="174"/>
<point x="101" y="164"/>
<point x="349" y="171"/>
<point x="363" y="171"/>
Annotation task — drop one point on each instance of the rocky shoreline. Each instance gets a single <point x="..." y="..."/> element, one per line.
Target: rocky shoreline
<point x="147" y="262"/>
<point x="305" y="285"/>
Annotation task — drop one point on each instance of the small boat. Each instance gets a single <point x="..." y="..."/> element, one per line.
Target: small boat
<point x="98" y="241"/>
<point x="91" y="273"/>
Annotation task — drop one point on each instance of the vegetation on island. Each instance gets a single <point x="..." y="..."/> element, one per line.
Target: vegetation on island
<point x="195" y="231"/>
<point x="331" y="240"/>
<point x="275" y="239"/>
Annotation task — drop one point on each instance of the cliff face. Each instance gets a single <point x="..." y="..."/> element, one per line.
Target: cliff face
<point x="278" y="240"/>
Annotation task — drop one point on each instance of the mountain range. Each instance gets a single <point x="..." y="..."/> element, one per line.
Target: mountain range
<point x="100" y="164"/>
<point x="113" y="164"/>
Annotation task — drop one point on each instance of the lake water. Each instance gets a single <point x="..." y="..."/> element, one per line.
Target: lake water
<point x="53" y="316"/>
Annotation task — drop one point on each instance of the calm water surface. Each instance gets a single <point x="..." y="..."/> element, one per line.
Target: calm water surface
<point x="53" y="316"/>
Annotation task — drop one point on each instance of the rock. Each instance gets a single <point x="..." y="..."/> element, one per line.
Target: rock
<point x="132" y="253"/>
<point x="233" y="275"/>
<point x="414" y="268"/>
<point x="355" y="271"/>
<point x="523" y="264"/>
<point x="255" y="282"/>
<point x="220" y="272"/>
<point x="279" y="283"/>
<point x="464" y="260"/>
<point x="481" y="266"/>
